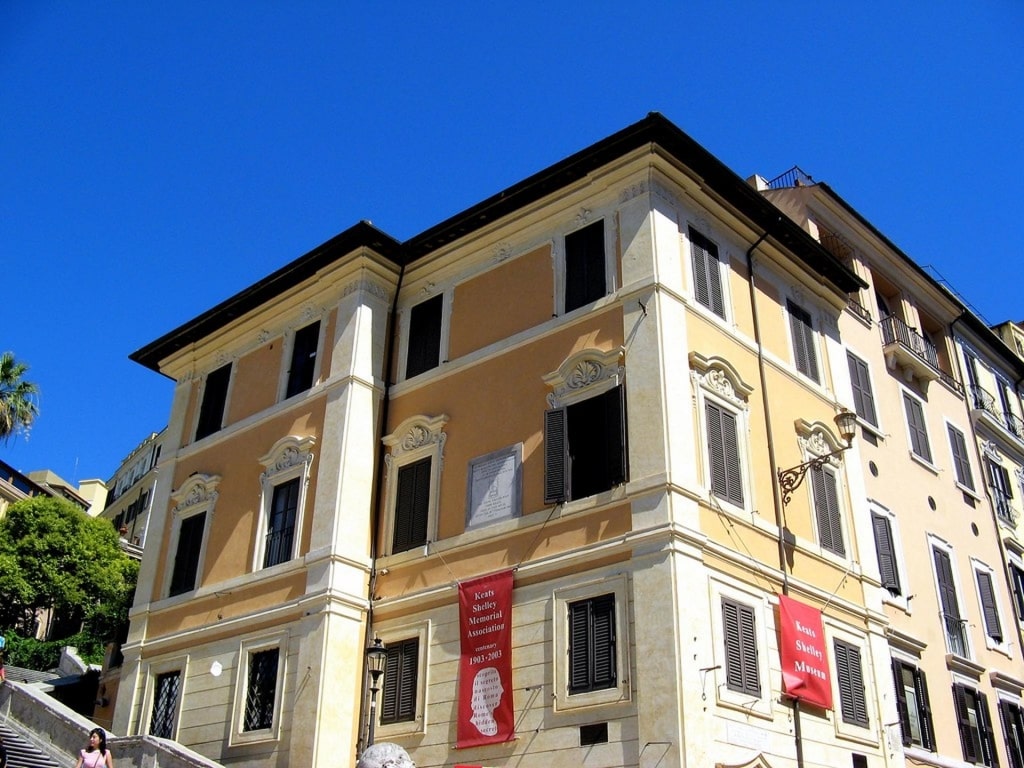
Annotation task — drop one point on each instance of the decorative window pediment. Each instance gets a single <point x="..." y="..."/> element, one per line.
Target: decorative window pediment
<point x="196" y="492"/>
<point x="288" y="454"/>
<point x="413" y="481"/>
<point x="817" y="439"/>
<point x="718" y="375"/>
<point x="415" y="433"/>
<point x="584" y="374"/>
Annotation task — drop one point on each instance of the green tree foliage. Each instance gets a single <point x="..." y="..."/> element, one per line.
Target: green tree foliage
<point x="54" y="556"/>
<point x="18" y="406"/>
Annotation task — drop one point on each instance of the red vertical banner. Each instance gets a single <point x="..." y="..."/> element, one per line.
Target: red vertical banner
<point x="485" y="711"/>
<point x="805" y="673"/>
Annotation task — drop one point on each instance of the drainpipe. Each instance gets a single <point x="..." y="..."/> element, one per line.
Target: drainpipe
<point x="780" y="517"/>
<point x="375" y="511"/>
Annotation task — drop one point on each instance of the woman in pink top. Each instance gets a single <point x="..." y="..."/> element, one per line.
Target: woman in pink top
<point x="96" y="754"/>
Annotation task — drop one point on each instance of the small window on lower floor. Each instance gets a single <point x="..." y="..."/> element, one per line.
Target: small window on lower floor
<point x="401" y="673"/>
<point x="260" y="690"/>
<point x="853" y="704"/>
<point x="912" y="704"/>
<point x="163" y="717"/>
<point x="592" y="644"/>
<point x="739" y="628"/>
<point x="975" y="726"/>
<point x="1012" y="717"/>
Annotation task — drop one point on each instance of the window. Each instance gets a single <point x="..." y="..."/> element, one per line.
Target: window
<point x="592" y="644"/>
<point x="886" y="551"/>
<point x="413" y="476"/>
<point x="916" y="426"/>
<point x="215" y="395"/>
<point x="974" y="724"/>
<point x="707" y="273"/>
<point x="1002" y="491"/>
<point x="1013" y="731"/>
<point x="826" y="510"/>
<point x="850" y="679"/>
<point x="805" y="352"/>
<point x="260" y="690"/>
<point x="1017" y="585"/>
<point x="585" y="447"/>
<point x="165" y="704"/>
<point x="723" y="453"/>
<point x="195" y="502"/>
<point x="284" y="482"/>
<point x="585" y="279"/>
<point x="987" y="600"/>
<point x="956" y="637"/>
<point x="187" y="554"/>
<point x="412" y="506"/>
<point x="739" y="630"/>
<point x="424" y="350"/>
<point x="912" y="704"/>
<point x="863" y="395"/>
<point x="400" y="681"/>
<point x="281" y="529"/>
<point x="962" y="465"/>
<point x="302" y="371"/>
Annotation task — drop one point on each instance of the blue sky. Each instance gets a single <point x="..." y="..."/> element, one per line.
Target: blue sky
<point x="156" y="158"/>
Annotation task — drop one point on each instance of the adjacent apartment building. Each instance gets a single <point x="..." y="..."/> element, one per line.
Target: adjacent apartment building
<point x="616" y="384"/>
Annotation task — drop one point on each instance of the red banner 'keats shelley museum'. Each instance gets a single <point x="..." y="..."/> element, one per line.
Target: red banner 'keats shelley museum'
<point x="485" y="667"/>
<point x="802" y="648"/>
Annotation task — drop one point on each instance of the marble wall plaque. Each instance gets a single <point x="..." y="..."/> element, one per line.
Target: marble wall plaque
<point x="493" y="490"/>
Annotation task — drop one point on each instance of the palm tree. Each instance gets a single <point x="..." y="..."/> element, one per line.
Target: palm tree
<point x="18" y="405"/>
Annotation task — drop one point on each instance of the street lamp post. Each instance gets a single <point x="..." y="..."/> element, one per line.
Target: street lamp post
<point x="376" y="658"/>
<point x="790" y="479"/>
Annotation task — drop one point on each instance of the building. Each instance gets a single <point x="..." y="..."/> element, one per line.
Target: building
<point x="132" y="489"/>
<point x="941" y="436"/>
<point x="590" y="383"/>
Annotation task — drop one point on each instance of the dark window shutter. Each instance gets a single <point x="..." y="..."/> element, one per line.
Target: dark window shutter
<point x="604" y="641"/>
<point x="986" y="732"/>
<point x="738" y="624"/>
<point x="1017" y="582"/>
<point x="592" y="662"/>
<point x="412" y="505"/>
<point x="424" y="349"/>
<point x="707" y="275"/>
<point x="947" y="588"/>
<point x="850" y="675"/>
<point x="556" y="457"/>
<point x="401" y="675"/>
<point x="886" y="553"/>
<point x="303" y="362"/>
<point x="988" y="606"/>
<point x="961" y="463"/>
<point x="826" y="509"/>
<point x="584" y="266"/>
<point x="918" y="432"/>
<point x="863" y="397"/>
<point x="803" y="341"/>
<point x="925" y="710"/>
<point x="215" y="395"/>
<point x="723" y="454"/>
<point x="902" y="706"/>
<point x="1013" y="730"/>
<point x="614" y="402"/>
<point x="186" y="558"/>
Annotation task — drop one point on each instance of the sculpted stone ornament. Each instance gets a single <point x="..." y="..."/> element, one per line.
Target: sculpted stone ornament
<point x="383" y="754"/>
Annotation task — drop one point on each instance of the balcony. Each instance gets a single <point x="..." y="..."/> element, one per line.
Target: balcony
<point x="913" y="352"/>
<point x="858" y="309"/>
<point x="1004" y="510"/>
<point x="984" y="401"/>
<point x="956" y="636"/>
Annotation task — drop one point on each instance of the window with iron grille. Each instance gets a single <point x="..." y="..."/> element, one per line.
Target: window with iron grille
<point x="401" y="672"/>
<point x="1012" y="717"/>
<point x="912" y="704"/>
<point x="863" y="395"/>
<point x="975" y="726"/>
<point x="215" y="395"/>
<point x="916" y="427"/>
<point x="707" y="273"/>
<point x="186" y="556"/>
<point x="805" y="352"/>
<point x="260" y="690"/>
<point x="281" y="523"/>
<point x="302" y="371"/>
<point x="886" y="550"/>
<point x="726" y="476"/>
<point x="585" y="279"/>
<point x="989" y="609"/>
<point x="826" y="510"/>
<point x="412" y="505"/>
<point x="961" y="463"/>
<point x="165" y="704"/>
<point x="585" y="447"/>
<point x="850" y="678"/>
<point x="424" y="348"/>
<point x="592" y="661"/>
<point x="739" y="628"/>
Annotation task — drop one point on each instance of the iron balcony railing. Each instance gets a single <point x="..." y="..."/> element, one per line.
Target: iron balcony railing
<point x="794" y="177"/>
<point x="951" y="382"/>
<point x="985" y="401"/>
<point x="858" y="309"/>
<point x="956" y="634"/>
<point x="1004" y="510"/>
<point x="279" y="547"/>
<point x="895" y="331"/>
